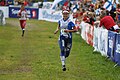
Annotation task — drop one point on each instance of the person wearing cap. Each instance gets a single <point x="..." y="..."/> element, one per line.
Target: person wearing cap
<point x="22" y="14"/>
<point x="66" y="27"/>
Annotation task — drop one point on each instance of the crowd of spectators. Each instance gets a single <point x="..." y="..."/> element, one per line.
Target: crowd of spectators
<point x="82" y="10"/>
<point x="16" y="2"/>
<point x="89" y="12"/>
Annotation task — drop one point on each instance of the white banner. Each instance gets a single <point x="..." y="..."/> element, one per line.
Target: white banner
<point x="103" y="41"/>
<point x="55" y="3"/>
<point x="95" y="38"/>
<point x="87" y="32"/>
<point x="49" y="15"/>
<point x="5" y="11"/>
<point x="83" y="28"/>
<point x="47" y="5"/>
<point x="100" y="37"/>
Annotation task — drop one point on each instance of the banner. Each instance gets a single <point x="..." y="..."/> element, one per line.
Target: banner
<point x="47" y="5"/>
<point x="49" y="15"/>
<point x="83" y="28"/>
<point x="89" y="34"/>
<point x="102" y="41"/>
<point x="5" y="11"/>
<point x="32" y="12"/>
<point x="117" y="50"/>
<point x="111" y="44"/>
<point x="95" y="38"/>
<point x="2" y="18"/>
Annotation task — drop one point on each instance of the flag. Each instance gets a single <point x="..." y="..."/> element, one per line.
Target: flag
<point x="108" y="5"/>
<point x="55" y="3"/>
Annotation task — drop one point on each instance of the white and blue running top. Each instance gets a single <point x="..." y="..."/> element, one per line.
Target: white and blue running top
<point x="66" y="24"/>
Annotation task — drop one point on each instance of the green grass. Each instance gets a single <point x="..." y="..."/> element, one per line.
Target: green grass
<point x="36" y="55"/>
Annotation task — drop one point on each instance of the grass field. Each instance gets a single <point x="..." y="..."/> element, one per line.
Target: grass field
<point x="36" y="55"/>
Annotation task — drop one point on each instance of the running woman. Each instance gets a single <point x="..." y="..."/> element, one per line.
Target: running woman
<point x="66" y="27"/>
<point x="22" y="14"/>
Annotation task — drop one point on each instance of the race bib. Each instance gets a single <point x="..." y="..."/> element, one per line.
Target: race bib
<point x="64" y="33"/>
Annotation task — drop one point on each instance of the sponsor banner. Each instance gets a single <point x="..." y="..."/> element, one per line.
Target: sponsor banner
<point x="5" y="11"/>
<point x="32" y="12"/>
<point x="2" y="18"/>
<point x="83" y="28"/>
<point x="95" y="38"/>
<point x="89" y="34"/>
<point x="103" y="41"/>
<point x="50" y="15"/>
<point x="47" y="5"/>
<point x="117" y="50"/>
<point x="111" y="43"/>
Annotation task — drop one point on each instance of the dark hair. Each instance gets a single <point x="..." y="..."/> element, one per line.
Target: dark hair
<point x="103" y="13"/>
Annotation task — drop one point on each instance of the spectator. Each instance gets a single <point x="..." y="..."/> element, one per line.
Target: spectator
<point x="85" y="17"/>
<point x="19" y="2"/>
<point x="91" y="18"/>
<point x="15" y="2"/>
<point x="26" y="3"/>
<point x="108" y="22"/>
<point x="10" y="2"/>
<point x="118" y="14"/>
<point x="2" y="3"/>
<point x="41" y="5"/>
<point x="112" y="12"/>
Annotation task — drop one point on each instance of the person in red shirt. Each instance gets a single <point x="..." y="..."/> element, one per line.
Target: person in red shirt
<point x="108" y="22"/>
<point x="26" y="3"/>
<point x="85" y="17"/>
<point x="2" y="3"/>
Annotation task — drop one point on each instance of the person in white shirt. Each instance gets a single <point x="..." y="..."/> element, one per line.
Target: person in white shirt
<point x="22" y="14"/>
<point x="66" y="27"/>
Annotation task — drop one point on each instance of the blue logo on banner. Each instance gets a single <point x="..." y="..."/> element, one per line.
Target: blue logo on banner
<point x="32" y="12"/>
<point x="51" y="16"/>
